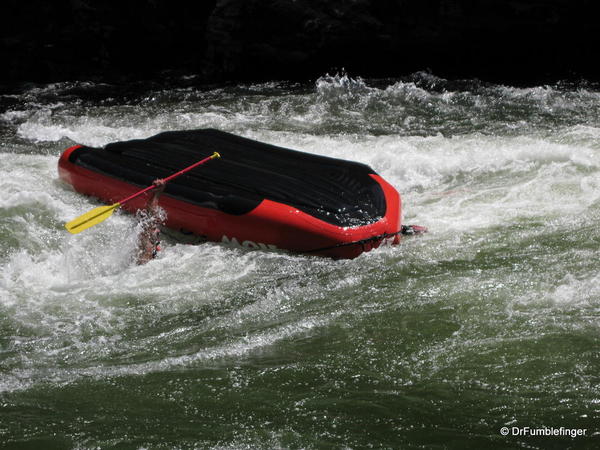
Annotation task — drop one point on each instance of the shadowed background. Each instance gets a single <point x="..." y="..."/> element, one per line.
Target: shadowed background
<point x="252" y="40"/>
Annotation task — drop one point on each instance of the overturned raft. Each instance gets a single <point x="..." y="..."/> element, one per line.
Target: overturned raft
<point x="257" y="195"/>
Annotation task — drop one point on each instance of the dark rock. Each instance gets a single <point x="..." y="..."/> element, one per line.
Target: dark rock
<point x="239" y="40"/>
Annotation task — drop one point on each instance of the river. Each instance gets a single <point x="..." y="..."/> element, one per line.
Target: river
<point x="490" y="320"/>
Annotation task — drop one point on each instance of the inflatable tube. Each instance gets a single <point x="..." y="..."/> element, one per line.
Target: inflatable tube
<point x="255" y="196"/>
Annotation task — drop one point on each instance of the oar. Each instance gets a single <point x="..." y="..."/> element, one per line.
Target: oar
<point x="100" y="214"/>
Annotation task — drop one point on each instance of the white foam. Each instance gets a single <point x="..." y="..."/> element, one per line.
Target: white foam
<point x="576" y="291"/>
<point x="14" y="116"/>
<point x="79" y="302"/>
<point x="91" y="133"/>
<point x="20" y="379"/>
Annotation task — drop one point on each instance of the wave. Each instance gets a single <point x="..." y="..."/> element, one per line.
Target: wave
<point x="421" y="105"/>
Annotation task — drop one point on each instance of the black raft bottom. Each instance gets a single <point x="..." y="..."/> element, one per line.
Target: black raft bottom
<point x="336" y="191"/>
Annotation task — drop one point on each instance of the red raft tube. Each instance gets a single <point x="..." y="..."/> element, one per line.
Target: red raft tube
<point x="255" y="196"/>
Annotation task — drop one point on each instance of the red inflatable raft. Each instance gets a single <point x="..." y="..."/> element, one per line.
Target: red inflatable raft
<point x="256" y="195"/>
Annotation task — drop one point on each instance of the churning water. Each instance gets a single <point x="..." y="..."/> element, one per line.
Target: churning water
<point x="490" y="320"/>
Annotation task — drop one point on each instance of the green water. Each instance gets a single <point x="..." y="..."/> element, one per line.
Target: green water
<point x="490" y="320"/>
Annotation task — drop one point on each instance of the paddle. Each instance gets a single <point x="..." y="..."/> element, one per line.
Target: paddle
<point x="100" y="214"/>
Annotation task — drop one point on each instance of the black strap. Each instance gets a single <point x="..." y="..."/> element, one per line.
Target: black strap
<point x="404" y="229"/>
<point x="361" y="242"/>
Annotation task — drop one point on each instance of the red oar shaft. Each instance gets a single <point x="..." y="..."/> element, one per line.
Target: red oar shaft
<point x="170" y="177"/>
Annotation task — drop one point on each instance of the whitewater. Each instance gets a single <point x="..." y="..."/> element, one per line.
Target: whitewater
<point x="491" y="319"/>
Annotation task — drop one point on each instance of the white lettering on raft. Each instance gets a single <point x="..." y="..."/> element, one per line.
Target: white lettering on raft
<point x="247" y="244"/>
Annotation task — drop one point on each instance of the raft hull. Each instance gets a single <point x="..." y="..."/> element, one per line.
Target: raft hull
<point x="269" y="225"/>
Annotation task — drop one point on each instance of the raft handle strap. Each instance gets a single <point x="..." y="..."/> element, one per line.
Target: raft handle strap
<point x="405" y="230"/>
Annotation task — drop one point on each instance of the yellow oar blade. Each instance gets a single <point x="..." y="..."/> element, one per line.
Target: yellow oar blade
<point x="91" y="218"/>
